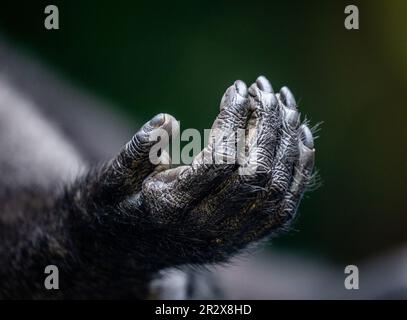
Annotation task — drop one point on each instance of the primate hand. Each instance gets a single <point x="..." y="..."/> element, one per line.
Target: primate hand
<point x="111" y="230"/>
<point x="206" y="211"/>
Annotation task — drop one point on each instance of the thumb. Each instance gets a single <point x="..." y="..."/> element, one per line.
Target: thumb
<point x="155" y="134"/>
<point x="134" y="163"/>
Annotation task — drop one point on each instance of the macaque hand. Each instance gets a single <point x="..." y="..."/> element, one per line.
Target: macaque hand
<point x="228" y="197"/>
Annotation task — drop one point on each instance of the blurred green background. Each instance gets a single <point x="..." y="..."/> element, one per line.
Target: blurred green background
<point x="179" y="57"/>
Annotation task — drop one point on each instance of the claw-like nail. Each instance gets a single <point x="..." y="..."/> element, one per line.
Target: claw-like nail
<point x="264" y="84"/>
<point x="157" y="121"/>
<point x="306" y="137"/>
<point x="241" y="88"/>
<point x="287" y="98"/>
<point x="292" y="117"/>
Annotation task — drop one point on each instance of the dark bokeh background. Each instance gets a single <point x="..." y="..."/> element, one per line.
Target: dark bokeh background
<point x="178" y="57"/>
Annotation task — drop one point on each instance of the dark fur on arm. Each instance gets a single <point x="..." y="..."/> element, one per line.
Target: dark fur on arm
<point x="114" y="228"/>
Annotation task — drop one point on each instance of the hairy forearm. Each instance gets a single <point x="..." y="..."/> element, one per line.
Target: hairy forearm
<point x="61" y="228"/>
<point x="33" y="235"/>
<point x="111" y="230"/>
<point x="82" y="230"/>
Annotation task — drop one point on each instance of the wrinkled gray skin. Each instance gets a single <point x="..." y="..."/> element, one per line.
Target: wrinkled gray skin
<point x="218" y="210"/>
<point x="114" y="227"/>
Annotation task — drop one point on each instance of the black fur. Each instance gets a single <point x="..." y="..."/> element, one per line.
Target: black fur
<point x="113" y="228"/>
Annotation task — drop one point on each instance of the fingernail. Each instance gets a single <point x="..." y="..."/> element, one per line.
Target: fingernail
<point x="306" y="137"/>
<point x="241" y="88"/>
<point x="157" y="121"/>
<point x="307" y="157"/>
<point x="288" y="98"/>
<point x="292" y="117"/>
<point x="264" y="84"/>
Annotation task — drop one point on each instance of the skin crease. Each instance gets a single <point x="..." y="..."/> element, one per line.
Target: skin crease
<point x="113" y="228"/>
